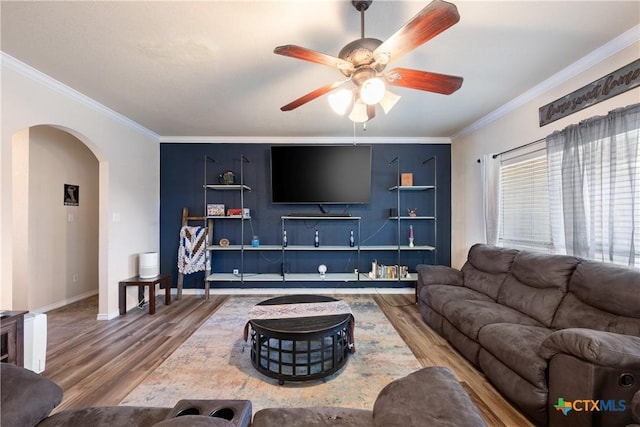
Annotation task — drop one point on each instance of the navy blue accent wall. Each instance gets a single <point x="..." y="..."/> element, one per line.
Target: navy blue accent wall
<point x="181" y="185"/>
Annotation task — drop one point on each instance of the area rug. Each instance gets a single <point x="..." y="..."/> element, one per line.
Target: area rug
<point x="214" y="363"/>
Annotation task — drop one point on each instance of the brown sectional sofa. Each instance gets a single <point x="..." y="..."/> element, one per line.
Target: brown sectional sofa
<point x="543" y="327"/>
<point x="428" y="397"/>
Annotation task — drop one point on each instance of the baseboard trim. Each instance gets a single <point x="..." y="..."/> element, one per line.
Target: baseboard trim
<point x="64" y="302"/>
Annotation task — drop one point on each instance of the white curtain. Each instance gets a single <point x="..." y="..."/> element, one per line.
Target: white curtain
<point x="593" y="187"/>
<point x="490" y="175"/>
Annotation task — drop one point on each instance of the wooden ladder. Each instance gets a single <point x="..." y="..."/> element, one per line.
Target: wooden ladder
<point x="209" y="227"/>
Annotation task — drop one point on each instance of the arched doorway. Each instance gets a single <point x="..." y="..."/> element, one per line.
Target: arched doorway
<point x="55" y="195"/>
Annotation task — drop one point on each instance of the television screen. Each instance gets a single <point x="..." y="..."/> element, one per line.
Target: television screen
<point x="321" y="174"/>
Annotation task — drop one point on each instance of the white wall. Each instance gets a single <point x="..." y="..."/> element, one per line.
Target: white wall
<point x="63" y="240"/>
<point x="128" y="175"/>
<point x="514" y="129"/>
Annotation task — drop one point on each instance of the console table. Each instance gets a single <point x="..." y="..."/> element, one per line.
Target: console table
<point x="141" y="283"/>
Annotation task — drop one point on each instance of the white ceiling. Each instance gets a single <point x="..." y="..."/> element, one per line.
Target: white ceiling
<point x="207" y="68"/>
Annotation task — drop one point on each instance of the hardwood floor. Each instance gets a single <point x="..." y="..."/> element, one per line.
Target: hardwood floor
<point x="97" y="363"/>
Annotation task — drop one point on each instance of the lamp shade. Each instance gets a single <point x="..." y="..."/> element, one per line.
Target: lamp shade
<point x="359" y="112"/>
<point x="388" y="101"/>
<point x="340" y="101"/>
<point x="372" y="91"/>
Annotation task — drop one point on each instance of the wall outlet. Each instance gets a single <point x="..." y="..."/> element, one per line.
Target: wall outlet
<point x="236" y="271"/>
<point x="75" y="277"/>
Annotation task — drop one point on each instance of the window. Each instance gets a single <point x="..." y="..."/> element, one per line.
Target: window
<point x="577" y="192"/>
<point x="602" y="182"/>
<point x="524" y="202"/>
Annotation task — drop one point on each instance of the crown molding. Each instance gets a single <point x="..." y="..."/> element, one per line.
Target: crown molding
<point x="612" y="47"/>
<point x="49" y="82"/>
<point x="53" y="84"/>
<point x="298" y="140"/>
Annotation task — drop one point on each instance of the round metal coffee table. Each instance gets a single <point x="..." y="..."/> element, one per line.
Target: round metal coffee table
<point x="300" y="348"/>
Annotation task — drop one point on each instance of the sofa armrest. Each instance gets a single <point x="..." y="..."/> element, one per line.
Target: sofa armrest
<point x="427" y="397"/>
<point x="438" y="275"/>
<point x="27" y="397"/>
<point x="594" y="346"/>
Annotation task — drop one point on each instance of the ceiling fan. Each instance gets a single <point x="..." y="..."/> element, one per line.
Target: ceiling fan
<point x="363" y="61"/>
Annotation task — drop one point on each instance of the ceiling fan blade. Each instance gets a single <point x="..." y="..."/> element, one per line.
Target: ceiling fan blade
<point x="424" y="80"/>
<point x="305" y="54"/>
<point x="436" y="17"/>
<point x="312" y="95"/>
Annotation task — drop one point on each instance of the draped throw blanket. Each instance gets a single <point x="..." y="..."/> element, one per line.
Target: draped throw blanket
<point x="192" y="249"/>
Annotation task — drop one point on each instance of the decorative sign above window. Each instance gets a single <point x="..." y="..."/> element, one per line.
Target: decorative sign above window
<point x="606" y="87"/>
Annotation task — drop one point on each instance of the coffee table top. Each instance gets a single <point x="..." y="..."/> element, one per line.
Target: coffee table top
<point x="303" y="325"/>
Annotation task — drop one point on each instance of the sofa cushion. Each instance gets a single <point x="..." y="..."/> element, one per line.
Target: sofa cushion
<point x="516" y="346"/>
<point x="612" y="288"/>
<point x="312" y="417"/>
<point x="531" y="400"/>
<point x="108" y="416"/>
<point x="26" y="397"/>
<point x="486" y="268"/>
<point x="574" y="313"/>
<point x="537" y="284"/>
<point x="467" y="347"/>
<point x="602" y="296"/>
<point x="436" y="296"/>
<point x="471" y="316"/>
<point x="428" y="397"/>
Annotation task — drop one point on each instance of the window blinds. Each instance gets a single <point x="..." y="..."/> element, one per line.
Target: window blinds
<point x="524" y="201"/>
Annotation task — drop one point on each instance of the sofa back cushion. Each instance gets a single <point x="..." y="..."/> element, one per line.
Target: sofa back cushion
<point x="602" y="296"/>
<point x="537" y="283"/>
<point x="486" y="268"/>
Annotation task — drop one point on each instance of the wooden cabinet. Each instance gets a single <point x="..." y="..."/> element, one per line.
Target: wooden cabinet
<point x="12" y="337"/>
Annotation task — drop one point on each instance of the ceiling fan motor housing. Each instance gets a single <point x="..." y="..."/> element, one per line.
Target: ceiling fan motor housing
<point x="359" y="52"/>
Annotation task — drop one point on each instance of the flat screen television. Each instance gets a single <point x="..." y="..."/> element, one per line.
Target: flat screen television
<point x="321" y="174"/>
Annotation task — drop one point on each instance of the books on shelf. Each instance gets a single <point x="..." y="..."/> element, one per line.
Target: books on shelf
<point x="215" y="209"/>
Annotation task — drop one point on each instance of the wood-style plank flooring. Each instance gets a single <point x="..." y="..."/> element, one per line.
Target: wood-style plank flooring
<point x="97" y="363"/>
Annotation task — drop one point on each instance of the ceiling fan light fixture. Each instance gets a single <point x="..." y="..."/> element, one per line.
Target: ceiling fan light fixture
<point x="388" y="101"/>
<point x="363" y="61"/>
<point x="372" y="91"/>
<point x="359" y="112"/>
<point x="340" y="101"/>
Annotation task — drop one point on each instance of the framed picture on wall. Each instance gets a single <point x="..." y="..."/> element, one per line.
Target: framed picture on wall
<point x="71" y="195"/>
